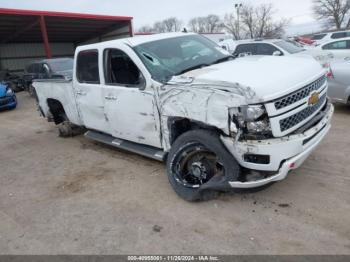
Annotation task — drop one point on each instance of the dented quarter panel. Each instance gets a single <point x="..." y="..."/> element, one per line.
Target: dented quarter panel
<point x="63" y="92"/>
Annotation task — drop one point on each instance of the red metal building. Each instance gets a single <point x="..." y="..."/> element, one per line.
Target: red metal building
<point x="26" y="35"/>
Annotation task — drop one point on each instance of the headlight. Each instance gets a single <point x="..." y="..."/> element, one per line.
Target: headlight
<point x="253" y="119"/>
<point x="259" y="127"/>
<point x="251" y="113"/>
<point x="9" y="92"/>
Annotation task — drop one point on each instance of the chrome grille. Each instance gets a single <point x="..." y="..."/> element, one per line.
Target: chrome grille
<point x="300" y="94"/>
<point x="297" y="118"/>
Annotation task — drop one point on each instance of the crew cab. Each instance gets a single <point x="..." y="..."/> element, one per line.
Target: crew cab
<point x="218" y="122"/>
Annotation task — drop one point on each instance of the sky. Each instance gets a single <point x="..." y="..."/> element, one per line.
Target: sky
<point x="146" y="12"/>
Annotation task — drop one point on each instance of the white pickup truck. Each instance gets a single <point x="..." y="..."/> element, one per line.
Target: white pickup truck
<point x="219" y="122"/>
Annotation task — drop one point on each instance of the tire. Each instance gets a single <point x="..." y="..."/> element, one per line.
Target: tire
<point x="196" y="144"/>
<point x="67" y="129"/>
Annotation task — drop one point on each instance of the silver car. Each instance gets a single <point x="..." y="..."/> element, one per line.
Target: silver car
<point x="339" y="81"/>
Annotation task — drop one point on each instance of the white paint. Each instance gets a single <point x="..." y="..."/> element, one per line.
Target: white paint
<point x="206" y="95"/>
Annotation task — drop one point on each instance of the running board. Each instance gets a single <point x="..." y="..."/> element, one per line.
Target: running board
<point x="144" y="150"/>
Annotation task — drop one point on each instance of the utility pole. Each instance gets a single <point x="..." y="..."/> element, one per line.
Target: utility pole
<point x="238" y="7"/>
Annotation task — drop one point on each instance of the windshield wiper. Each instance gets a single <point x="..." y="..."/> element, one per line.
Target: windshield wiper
<point x="192" y="68"/>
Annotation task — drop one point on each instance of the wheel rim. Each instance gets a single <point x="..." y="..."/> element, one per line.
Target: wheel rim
<point x="196" y="166"/>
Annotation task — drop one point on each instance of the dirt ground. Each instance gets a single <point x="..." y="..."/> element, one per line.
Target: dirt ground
<point x="75" y="196"/>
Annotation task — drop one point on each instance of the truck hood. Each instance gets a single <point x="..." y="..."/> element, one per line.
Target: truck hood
<point x="267" y="77"/>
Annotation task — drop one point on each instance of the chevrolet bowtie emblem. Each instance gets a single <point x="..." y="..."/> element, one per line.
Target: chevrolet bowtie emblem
<point x="313" y="99"/>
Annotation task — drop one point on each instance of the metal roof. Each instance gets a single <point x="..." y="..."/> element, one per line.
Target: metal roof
<point x="21" y="26"/>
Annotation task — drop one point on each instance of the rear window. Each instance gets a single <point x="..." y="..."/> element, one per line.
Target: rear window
<point x="318" y="37"/>
<point x="87" y="67"/>
<point x="289" y="47"/>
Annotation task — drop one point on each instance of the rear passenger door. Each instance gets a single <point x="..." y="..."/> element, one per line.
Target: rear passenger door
<point x="88" y="91"/>
<point x="130" y="104"/>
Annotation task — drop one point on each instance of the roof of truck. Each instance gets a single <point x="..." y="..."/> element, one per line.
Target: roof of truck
<point x="138" y="40"/>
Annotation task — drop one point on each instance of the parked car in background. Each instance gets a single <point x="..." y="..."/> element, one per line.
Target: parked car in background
<point x="56" y="68"/>
<point x="339" y="81"/>
<point x="15" y="82"/>
<point x="218" y="122"/>
<point x="276" y="47"/>
<point x="8" y="98"/>
<point x="326" y="37"/>
<point x="304" y="40"/>
<point x="332" y="50"/>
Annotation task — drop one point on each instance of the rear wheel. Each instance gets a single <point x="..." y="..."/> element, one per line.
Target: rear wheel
<point x="68" y="129"/>
<point x="199" y="166"/>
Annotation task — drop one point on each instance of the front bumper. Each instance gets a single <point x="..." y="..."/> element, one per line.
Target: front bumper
<point x="286" y="153"/>
<point x="8" y="102"/>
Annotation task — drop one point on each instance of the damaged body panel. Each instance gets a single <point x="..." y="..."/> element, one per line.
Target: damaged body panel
<point x="221" y="122"/>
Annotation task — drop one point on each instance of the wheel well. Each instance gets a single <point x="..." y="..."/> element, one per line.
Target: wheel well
<point x="178" y="126"/>
<point x="57" y="110"/>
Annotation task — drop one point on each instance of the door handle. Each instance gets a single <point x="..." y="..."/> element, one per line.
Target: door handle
<point x="81" y="93"/>
<point x="111" y="98"/>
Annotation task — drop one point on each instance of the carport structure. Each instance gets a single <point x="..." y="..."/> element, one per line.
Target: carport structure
<point x="55" y="33"/>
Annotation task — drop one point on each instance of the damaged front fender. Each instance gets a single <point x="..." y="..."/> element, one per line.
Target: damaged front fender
<point x="207" y="102"/>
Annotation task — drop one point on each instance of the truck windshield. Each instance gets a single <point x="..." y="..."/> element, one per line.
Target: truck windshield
<point x="175" y="56"/>
<point x="61" y="65"/>
<point x="289" y="47"/>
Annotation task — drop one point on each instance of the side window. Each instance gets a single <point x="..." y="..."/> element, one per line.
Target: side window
<point x="87" y="67"/>
<point x="246" y="49"/>
<point x="119" y="69"/>
<point x="336" y="45"/>
<point x="265" y="49"/>
<point x="338" y="35"/>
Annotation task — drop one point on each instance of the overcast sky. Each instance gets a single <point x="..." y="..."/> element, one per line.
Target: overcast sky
<point x="149" y="11"/>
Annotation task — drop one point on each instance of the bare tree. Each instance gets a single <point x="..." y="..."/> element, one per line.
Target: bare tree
<point x="213" y="23"/>
<point x="207" y="24"/>
<point x="159" y="27"/>
<point x="172" y="24"/>
<point x="255" y="22"/>
<point x="197" y="25"/>
<point x="231" y="25"/>
<point x="334" y="12"/>
<point x="145" y="29"/>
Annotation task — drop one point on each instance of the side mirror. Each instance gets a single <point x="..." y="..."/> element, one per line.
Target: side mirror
<point x="277" y="53"/>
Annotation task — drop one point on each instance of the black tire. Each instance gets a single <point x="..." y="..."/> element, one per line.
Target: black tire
<point x="190" y="143"/>
<point x="67" y="129"/>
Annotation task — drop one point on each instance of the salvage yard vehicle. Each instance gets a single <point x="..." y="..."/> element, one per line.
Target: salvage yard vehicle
<point x="339" y="81"/>
<point x="332" y="50"/>
<point x="326" y="37"/>
<point x="55" y="68"/>
<point x="13" y="81"/>
<point x="276" y="47"/>
<point x="219" y="122"/>
<point x="8" y="98"/>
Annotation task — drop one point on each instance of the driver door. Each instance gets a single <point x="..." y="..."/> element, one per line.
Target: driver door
<point x="130" y="104"/>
